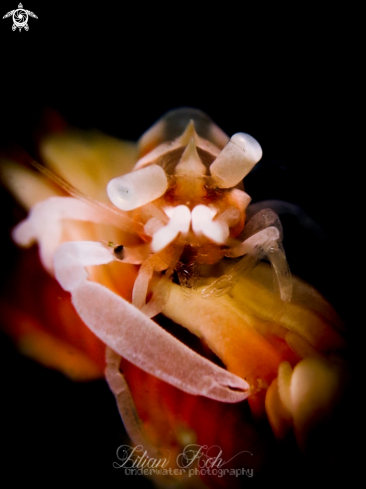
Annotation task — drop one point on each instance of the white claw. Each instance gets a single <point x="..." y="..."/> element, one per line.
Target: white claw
<point x="180" y="220"/>
<point x="133" y="335"/>
<point x="236" y="160"/>
<point x="202" y="223"/>
<point x="137" y="188"/>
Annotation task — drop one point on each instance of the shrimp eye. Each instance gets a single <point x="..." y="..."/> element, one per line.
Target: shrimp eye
<point x="236" y="160"/>
<point x="118" y="252"/>
<point x="137" y="188"/>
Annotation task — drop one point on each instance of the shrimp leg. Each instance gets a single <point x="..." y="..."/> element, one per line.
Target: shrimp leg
<point x="264" y="244"/>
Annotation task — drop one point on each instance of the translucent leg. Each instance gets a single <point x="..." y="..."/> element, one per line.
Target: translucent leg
<point x="161" y="291"/>
<point x="277" y="258"/>
<point x="262" y="219"/>
<point x="262" y="244"/>
<point x="279" y="207"/>
<point x="160" y="296"/>
<point x="126" y="405"/>
<point x="142" y="282"/>
<point x="133" y="335"/>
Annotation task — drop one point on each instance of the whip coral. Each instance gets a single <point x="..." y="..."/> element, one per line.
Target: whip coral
<point x="169" y="274"/>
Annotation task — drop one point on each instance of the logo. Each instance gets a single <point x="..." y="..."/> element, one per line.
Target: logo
<point x="20" y="17"/>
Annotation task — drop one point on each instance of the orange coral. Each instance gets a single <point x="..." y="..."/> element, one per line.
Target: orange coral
<point x="289" y="353"/>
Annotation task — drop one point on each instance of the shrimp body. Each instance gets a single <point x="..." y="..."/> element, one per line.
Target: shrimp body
<point x="188" y="195"/>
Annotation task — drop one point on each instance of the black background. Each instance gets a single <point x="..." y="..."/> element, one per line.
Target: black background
<point x="284" y="77"/>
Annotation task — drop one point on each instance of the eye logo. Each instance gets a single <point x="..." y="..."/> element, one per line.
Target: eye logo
<point x="20" y="17"/>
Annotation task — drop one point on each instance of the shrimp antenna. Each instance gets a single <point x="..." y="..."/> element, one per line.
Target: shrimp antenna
<point x="111" y="211"/>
